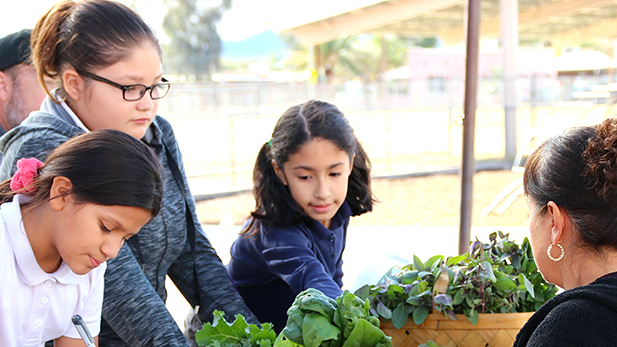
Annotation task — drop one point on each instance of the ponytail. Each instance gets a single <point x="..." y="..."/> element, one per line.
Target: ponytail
<point x="6" y="194"/>
<point x="272" y="197"/>
<point x="23" y="181"/>
<point x="45" y="42"/>
<point x="359" y="194"/>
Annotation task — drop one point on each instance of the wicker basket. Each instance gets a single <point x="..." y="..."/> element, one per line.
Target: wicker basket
<point x="493" y="329"/>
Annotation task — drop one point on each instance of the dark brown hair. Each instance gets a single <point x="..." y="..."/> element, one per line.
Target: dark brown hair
<point x="578" y="171"/>
<point x="105" y="167"/>
<point x="86" y="35"/>
<point x="296" y="127"/>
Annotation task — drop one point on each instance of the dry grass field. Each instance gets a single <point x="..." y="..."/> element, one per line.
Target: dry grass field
<point x="421" y="201"/>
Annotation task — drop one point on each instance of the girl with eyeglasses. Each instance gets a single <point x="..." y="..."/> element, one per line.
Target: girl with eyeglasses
<point x="107" y="63"/>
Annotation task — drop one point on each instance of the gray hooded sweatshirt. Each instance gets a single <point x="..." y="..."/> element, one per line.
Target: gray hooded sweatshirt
<point x="134" y="312"/>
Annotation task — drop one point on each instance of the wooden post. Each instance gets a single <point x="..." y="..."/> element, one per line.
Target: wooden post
<point x="508" y="11"/>
<point x="468" y="166"/>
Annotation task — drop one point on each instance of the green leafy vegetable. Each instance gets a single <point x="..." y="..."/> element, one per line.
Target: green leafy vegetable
<point x="350" y="309"/>
<point x="317" y="329"/>
<point x="495" y="277"/>
<point x="316" y="320"/>
<point x="304" y="320"/>
<point x="221" y="333"/>
<point x="365" y="334"/>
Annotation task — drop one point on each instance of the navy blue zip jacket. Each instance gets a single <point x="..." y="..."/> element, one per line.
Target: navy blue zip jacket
<point x="273" y="267"/>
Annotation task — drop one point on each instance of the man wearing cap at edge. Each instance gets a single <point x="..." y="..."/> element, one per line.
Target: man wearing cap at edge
<point x="20" y="91"/>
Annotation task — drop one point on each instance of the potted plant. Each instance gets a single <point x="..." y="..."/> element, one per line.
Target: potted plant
<point x="481" y="297"/>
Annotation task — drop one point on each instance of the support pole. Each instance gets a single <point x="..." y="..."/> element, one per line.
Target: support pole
<point x="508" y="10"/>
<point x="318" y="63"/>
<point x="468" y="166"/>
<point x="382" y="71"/>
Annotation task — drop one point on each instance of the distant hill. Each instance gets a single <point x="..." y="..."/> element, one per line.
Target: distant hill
<point x="257" y="47"/>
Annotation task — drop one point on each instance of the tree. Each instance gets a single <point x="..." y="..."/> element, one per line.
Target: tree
<point x="341" y="60"/>
<point x="360" y="56"/>
<point x="194" y="46"/>
<point x="396" y="51"/>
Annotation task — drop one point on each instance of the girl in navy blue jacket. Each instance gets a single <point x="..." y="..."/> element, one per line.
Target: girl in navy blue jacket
<point x="308" y="180"/>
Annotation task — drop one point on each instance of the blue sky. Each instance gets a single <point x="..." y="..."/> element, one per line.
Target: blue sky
<point x="246" y="18"/>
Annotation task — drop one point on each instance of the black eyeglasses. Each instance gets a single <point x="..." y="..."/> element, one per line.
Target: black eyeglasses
<point x="134" y="92"/>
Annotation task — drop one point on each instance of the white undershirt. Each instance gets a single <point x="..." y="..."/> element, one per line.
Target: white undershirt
<point x="72" y="114"/>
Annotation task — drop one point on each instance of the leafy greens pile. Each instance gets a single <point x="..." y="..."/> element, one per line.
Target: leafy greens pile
<point x="315" y="320"/>
<point x="495" y="277"/>
<point x="221" y="333"/>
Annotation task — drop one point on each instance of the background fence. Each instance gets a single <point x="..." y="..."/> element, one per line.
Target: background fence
<point x="406" y="126"/>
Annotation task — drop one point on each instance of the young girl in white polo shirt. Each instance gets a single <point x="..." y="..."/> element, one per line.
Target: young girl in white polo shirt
<point x="59" y="222"/>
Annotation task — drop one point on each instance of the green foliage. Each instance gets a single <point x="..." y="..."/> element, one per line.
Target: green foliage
<point x="426" y="42"/>
<point x="221" y="333"/>
<point x="195" y="45"/>
<point x="317" y="320"/>
<point x="496" y="277"/>
<point x="360" y="56"/>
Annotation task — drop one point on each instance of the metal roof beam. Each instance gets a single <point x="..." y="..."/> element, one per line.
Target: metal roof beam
<point x="555" y="11"/>
<point x="606" y="29"/>
<point x="371" y="18"/>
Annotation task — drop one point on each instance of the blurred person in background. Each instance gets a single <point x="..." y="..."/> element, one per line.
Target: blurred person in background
<point x="20" y="92"/>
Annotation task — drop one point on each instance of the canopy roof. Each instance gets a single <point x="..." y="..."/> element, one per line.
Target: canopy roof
<point x="552" y="20"/>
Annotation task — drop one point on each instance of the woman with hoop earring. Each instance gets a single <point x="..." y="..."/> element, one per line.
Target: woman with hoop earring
<point x="571" y="186"/>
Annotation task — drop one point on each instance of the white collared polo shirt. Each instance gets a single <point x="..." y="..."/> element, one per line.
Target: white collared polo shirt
<point x="36" y="306"/>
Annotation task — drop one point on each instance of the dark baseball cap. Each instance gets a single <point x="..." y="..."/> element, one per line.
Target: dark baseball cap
<point x="14" y="48"/>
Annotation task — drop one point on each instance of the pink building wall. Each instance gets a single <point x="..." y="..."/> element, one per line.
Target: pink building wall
<point x="450" y="63"/>
<point x="436" y="75"/>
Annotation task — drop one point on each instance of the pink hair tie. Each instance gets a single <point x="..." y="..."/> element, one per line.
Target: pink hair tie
<point x="23" y="179"/>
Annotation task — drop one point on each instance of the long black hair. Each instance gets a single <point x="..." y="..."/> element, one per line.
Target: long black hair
<point x="297" y="126"/>
<point x="106" y="167"/>
<point x="578" y="171"/>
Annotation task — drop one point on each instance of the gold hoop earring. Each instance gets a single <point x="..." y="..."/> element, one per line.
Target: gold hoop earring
<point x="550" y="256"/>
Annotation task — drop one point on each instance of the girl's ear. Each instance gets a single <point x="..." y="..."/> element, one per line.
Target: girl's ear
<point x="279" y="172"/>
<point x="58" y="193"/>
<point x="559" y="222"/>
<point x="73" y="83"/>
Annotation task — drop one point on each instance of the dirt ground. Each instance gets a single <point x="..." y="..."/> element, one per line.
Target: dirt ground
<point x="423" y="201"/>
